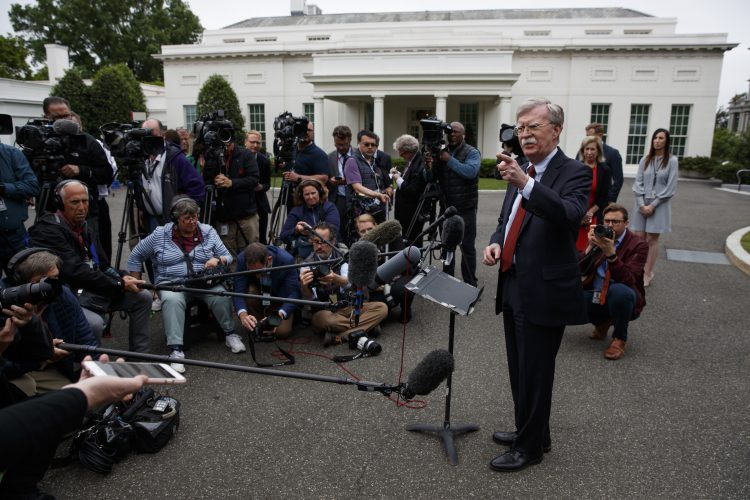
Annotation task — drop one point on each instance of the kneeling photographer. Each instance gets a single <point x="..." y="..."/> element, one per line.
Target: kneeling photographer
<point x="268" y="319"/>
<point x="234" y="172"/>
<point x="36" y="269"/>
<point x="612" y="274"/>
<point x="185" y="251"/>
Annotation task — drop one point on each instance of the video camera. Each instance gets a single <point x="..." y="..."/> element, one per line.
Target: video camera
<point x="508" y="137"/>
<point x="433" y="135"/>
<point x="214" y="131"/>
<point x="288" y="130"/>
<point x="131" y="144"/>
<point x="46" y="144"/>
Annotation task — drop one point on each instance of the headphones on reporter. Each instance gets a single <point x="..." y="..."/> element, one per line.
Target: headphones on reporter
<point x="310" y="182"/>
<point x="18" y="258"/>
<point x="182" y="200"/>
<point x="57" y="201"/>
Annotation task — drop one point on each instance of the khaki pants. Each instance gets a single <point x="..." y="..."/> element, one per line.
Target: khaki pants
<point x="255" y="307"/>
<point x="339" y="322"/>
<point x="239" y="233"/>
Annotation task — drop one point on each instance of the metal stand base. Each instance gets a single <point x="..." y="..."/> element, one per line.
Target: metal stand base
<point x="447" y="433"/>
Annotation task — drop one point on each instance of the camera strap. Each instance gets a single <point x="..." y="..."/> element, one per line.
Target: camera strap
<point x="288" y="357"/>
<point x="351" y="357"/>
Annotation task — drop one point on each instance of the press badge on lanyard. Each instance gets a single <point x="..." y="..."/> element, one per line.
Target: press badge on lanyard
<point x="595" y="298"/>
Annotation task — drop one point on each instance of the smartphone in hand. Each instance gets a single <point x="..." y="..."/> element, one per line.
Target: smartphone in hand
<point x="157" y="373"/>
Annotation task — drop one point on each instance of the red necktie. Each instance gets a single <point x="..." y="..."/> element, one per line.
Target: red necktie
<point x="509" y="248"/>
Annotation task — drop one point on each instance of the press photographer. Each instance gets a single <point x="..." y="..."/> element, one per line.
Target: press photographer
<point x="165" y="175"/>
<point x="233" y="170"/>
<point x="184" y="250"/>
<point x="456" y="170"/>
<point x="366" y="182"/>
<point x="17" y="183"/>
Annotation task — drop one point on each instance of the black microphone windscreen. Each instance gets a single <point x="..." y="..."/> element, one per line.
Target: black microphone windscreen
<point x="453" y="232"/>
<point x="450" y="211"/>
<point x="363" y="263"/>
<point x="429" y="373"/>
<point x="384" y="233"/>
<point x="398" y="264"/>
<point x="66" y="127"/>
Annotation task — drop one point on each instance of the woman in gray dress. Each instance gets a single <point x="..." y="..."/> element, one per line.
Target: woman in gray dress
<point x="655" y="184"/>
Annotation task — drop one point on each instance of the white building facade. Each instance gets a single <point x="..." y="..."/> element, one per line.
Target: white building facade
<point x="626" y="69"/>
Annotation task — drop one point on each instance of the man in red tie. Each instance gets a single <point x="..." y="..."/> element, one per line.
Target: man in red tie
<point x="539" y="288"/>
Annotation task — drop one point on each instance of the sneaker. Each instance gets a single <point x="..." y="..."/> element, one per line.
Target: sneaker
<point x="234" y="342"/>
<point x="156" y="304"/>
<point x="177" y="355"/>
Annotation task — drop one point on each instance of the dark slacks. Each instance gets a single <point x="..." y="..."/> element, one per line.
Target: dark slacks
<point x="468" y="249"/>
<point x="263" y="226"/>
<point x="531" y="351"/>
<point x="618" y="308"/>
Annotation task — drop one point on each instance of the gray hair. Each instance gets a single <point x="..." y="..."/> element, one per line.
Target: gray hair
<point x="556" y="115"/>
<point x="184" y="205"/>
<point x="36" y="264"/>
<point x="406" y="143"/>
<point x="63" y="186"/>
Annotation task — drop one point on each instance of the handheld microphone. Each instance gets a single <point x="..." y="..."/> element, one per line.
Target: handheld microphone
<point x="66" y="127"/>
<point x="449" y="212"/>
<point x="395" y="266"/>
<point x="428" y="374"/>
<point x="453" y="234"/>
<point x="363" y="264"/>
<point x="384" y="233"/>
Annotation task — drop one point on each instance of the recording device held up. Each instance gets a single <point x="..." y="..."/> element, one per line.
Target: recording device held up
<point x="44" y="292"/>
<point x="433" y="135"/>
<point x="508" y="137"/>
<point x="214" y="131"/>
<point x="46" y="144"/>
<point x="602" y="231"/>
<point x="131" y="145"/>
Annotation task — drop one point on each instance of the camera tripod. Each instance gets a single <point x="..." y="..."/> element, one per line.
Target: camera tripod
<point x="280" y="210"/>
<point x="430" y="196"/>
<point x="44" y="199"/>
<point x="133" y="192"/>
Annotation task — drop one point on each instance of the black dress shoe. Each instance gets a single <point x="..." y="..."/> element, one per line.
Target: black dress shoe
<point x="506" y="438"/>
<point x="513" y="460"/>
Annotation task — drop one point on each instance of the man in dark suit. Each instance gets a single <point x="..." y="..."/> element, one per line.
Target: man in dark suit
<point x="253" y="143"/>
<point x="411" y="185"/>
<point x="614" y="284"/>
<point x="342" y="141"/>
<point x="539" y="289"/>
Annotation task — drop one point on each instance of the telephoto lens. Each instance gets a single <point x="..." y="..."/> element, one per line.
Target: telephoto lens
<point x="360" y="341"/>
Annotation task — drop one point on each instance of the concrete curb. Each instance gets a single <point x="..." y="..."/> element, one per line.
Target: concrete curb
<point x="735" y="252"/>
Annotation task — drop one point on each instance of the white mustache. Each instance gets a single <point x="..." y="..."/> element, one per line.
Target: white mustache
<point x="530" y="140"/>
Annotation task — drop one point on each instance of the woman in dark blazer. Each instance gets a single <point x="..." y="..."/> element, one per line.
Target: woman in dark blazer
<point x="592" y="155"/>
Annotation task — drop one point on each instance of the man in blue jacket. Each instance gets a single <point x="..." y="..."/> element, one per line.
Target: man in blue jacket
<point x="274" y="283"/>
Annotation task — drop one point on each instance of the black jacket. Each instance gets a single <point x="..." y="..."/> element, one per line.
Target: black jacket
<point x="238" y="201"/>
<point x="264" y="169"/>
<point x="54" y="233"/>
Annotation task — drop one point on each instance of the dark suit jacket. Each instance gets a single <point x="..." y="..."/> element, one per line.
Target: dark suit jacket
<point x="383" y="161"/>
<point x="549" y="279"/>
<point x="408" y="194"/>
<point x="614" y="162"/>
<point x="601" y="198"/>
<point x="264" y="170"/>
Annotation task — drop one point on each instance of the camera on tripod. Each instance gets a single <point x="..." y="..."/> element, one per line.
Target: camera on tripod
<point x="45" y="148"/>
<point x="288" y="130"/>
<point x="433" y="135"/>
<point x="214" y="131"/>
<point x="132" y="145"/>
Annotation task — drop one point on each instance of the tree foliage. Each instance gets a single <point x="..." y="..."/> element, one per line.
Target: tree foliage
<point x="217" y="94"/>
<point x="72" y="87"/>
<point x="113" y="95"/>
<point x="107" y="32"/>
<point x="725" y="144"/>
<point x="13" y="56"/>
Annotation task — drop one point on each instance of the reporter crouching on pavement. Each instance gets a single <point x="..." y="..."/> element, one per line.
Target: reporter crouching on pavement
<point x="180" y="250"/>
<point x="332" y="287"/>
<point x="612" y="269"/>
<point x="274" y="283"/>
<point x="86" y="269"/>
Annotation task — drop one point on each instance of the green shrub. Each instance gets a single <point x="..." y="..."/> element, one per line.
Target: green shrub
<point x="487" y="167"/>
<point x="699" y="164"/>
<point x="727" y="172"/>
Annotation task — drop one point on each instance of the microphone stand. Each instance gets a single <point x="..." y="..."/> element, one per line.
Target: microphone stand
<point x="362" y="385"/>
<point x="459" y="298"/>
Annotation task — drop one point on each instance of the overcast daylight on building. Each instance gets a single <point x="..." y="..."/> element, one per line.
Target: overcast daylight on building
<point x="385" y="71"/>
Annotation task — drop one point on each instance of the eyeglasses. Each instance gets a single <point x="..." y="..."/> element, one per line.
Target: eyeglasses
<point x="613" y="221"/>
<point x="533" y="128"/>
<point x="188" y="218"/>
<point x="369" y="144"/>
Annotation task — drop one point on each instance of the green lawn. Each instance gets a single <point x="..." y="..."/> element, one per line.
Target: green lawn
<point x="745" y="242"/>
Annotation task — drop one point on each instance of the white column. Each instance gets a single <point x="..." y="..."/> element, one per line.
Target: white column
<point x="441" y="106"/>
<point x="505" y="112"/>
<point x="378" y="118"/>
<point x="318" y="124"/>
